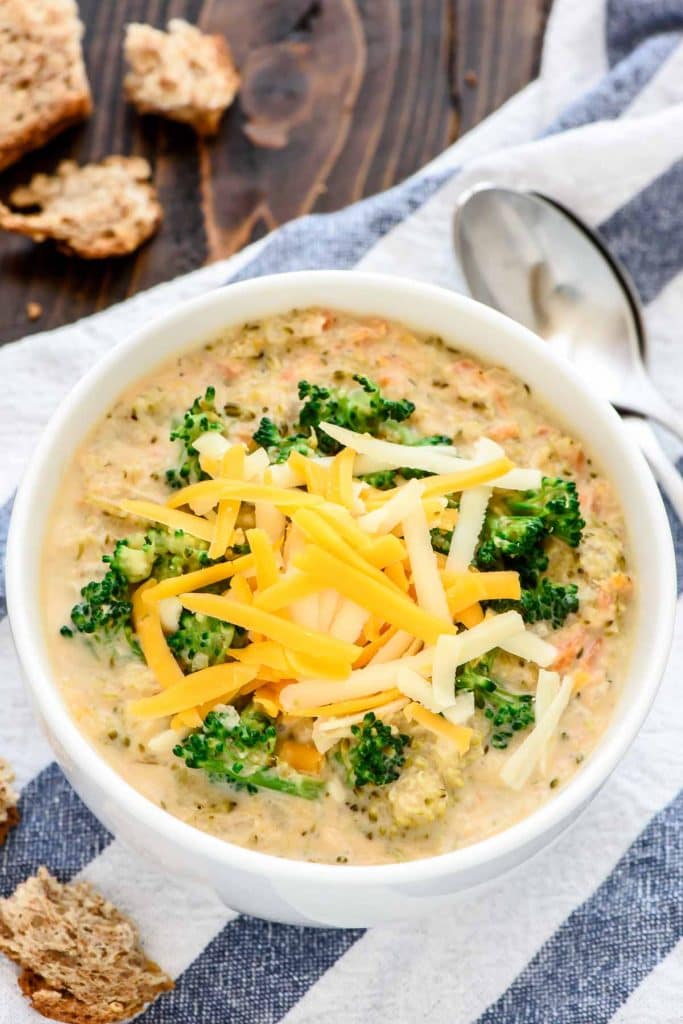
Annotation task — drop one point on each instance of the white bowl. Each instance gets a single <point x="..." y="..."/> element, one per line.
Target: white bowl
<point x="293" y="891"/>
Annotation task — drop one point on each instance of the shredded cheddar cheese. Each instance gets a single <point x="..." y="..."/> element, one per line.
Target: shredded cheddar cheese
<point x="459" y="735"/>
<point x="273" y="627"/>
<point x="155" y="650"/>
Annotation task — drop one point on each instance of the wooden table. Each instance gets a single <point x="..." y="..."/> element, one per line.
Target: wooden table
<point x="339" y="99"/>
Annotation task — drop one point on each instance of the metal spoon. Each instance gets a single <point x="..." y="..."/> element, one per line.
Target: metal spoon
<point x="529" y="257"/>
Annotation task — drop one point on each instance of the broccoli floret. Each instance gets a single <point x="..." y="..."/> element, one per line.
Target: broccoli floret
<point x="375" y="755"/>
<point x="200" y="417"/>
<point x="159" y="553"/>
<point x="104" y="614"/>
<point x="507" y="712"/>
<point x="240" y="749"/>
<point x="556" y="504"/>
<point x="515" y="537"/>
<point x="383" y="480"/>
<point x="364" y="410"/>
<point x="548" y="601"/>
<point x="201" y="640"/>
<point x="441" y="540"/>
<point x="279" y="446"/>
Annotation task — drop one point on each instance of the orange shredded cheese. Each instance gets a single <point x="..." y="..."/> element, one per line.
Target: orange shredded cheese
<point x="240" y="490"/>
<point x="267" y="697"/>
<point x="171" y="517"/>
<point x="471" y="616"/>
<point x="302" y="757"/>
<point x="220" y="682"/>
<point x="223" y="528"/>
<point x="321" y="533"/>
<point x="155" y="650"/>
<point x="290" y="635"/>
<point x="460" y="735"/>
<point x="471" y="587"/>
<point x="287" y="590"/>
<point x="371" y="649"/>
<point x="340" y="478"/>
<point x="175" y="585"/>
<point x="261" y="549"/>
<point x="349" y="707"/>
<point x="317" y="477"/>
<point x="395" y="607"/>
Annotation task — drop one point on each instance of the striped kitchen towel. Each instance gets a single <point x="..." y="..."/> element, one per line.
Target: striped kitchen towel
<point x="592" y="930"/>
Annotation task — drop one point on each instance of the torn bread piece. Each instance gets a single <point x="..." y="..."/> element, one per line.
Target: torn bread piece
<point x="183" y="74"/>
<point x="9" y="813"/>
<point x="93" y="211"/>
<point x="43" y="83"/>
<point x="81" y="957"/>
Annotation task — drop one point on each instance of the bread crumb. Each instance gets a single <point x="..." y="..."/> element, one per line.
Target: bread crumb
<point x="94" y="211"/>
<point x="182" y="74"/>
<point x="9" y="813"/>
<point x="81" y="958"/>
<point x="471" y="78"/>
<point x="34" y="310"/>
<point x="43" y="83"/>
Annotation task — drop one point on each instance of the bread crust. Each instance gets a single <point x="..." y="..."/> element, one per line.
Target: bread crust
<point x="81" y="958"/>
<point x="94" y="211"/>
<point x="9" y="812"/>
<point x="182" y="74"/>
<point x="43" y="82"/>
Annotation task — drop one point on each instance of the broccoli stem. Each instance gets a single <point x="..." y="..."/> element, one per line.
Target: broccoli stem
<point x="266" y="778"/>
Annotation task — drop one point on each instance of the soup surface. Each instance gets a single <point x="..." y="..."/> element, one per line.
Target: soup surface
<point x="331" y="784"/>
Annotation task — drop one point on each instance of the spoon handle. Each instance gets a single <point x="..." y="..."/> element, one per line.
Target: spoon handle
<point x="641" y="396"/>
<point x="660" y="464"/>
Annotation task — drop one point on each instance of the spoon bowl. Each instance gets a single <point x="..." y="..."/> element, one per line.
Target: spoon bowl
<point x="529" y="257"/>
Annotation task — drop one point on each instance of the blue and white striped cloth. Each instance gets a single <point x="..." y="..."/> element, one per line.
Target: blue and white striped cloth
<point x="592" y="930"/>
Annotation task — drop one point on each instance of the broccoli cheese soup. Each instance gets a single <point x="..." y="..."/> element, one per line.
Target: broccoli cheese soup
<point x="332" y="590"/>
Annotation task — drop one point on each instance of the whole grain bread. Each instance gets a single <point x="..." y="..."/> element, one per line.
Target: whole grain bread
<point x="43" y="83"/>
<point x="9" y="813"/>
<point x="94" y="211"/>
<point x="183" y="74"/>
<point x="81" y="958"/>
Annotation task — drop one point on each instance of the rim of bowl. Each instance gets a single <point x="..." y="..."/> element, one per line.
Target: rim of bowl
<point x="28" y="630"/>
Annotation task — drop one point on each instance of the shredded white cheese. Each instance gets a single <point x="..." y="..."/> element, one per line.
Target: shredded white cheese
<point x="270" y="519"/>
<point x="527" y="645"/>
<point x="389" y="515"/>
<point x="520" y="764"/>
<point x="395" y="646"/>
<point x="212" y="444"/>
<point x="362" y="682"/>
<point x="327" y="732"/>
<point x="256" y="464"/>
<point x="452" y="651"/>
<point x="473" y="505"/>
<point x="431" y="459"/>
<point x="392" y="455"/>
<point x="462" y="710"/>
<point x="547" y="688"/>
<point x="418" y="689"/>
<point x="348" y="621"/>
<point x="431" y="595"/>
<point x="170" y="610"/>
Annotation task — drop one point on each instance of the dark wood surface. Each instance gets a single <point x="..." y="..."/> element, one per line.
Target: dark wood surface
<point x="339" y="99"/>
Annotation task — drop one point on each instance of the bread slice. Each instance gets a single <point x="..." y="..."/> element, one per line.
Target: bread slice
<point x="94" y="211"/>
<point x="182" y="74"/>
<point x="81" y="957"/>
<point x="9" y="814"/>
<point x="43" y="83"/>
